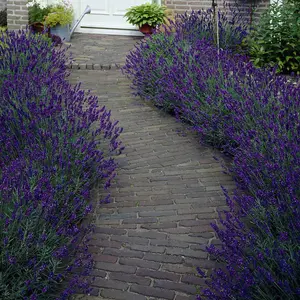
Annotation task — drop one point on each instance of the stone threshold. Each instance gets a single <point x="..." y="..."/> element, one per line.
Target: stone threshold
<point x="93" y="66"/>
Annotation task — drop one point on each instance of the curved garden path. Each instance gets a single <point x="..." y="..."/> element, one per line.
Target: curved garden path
<point x="149" y="239"/>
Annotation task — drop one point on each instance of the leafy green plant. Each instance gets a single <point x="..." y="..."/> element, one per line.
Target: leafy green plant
<point x="275" y="40"/>
<point x="149" y="13"/>
<point x="59" y="15"/>
<point x="37" y="11"/>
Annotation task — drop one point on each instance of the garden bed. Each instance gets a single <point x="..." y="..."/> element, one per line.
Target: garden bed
<point x="252" y="114"/>
<point x="56" y="142"/>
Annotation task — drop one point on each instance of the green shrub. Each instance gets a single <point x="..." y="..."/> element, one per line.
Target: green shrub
<point x="59" y="15"/>
<point x="275" y="40"/>
<point x="37" y="11"/>
<point x="151" y="14"/>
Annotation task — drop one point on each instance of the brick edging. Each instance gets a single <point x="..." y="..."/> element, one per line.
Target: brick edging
<point x="93" y="66"/>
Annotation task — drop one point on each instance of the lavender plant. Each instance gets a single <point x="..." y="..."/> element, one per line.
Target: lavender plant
<point x="251" y="114"/>
<point x="56" y="142"/>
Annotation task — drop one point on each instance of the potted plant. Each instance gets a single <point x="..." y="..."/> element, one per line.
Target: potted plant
<point x="59" y="19"/>
<point x="37" y="11"/>
<point x="146" y="16"/>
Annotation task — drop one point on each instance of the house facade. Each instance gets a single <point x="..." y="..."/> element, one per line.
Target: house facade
<point x="106" y="16"/>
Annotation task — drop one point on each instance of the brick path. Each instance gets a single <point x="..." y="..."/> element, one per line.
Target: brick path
<point x="149" y="240"/>
<point x="95" y="51"/>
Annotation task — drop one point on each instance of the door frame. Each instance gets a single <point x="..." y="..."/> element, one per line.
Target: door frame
<point x="77" y="6"/>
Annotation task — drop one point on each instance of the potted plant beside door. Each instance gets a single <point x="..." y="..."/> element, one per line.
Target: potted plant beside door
<point x="146" y="16"/>
<point x="60" y="18"/>
<point x="37" y="11"/>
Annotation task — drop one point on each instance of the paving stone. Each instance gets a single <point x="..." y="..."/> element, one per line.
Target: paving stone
<point x="105" y="258"/>
<point x="108" y="283"/>
<point x="159" y="225"/>
<point x="140" y="221"/>
<point x="130" y="278"/>
<point x="169" y="243"/>
<point x="158" y="274"/>
<point x="131" y="240"/>
<point x="157" y="213"/>
<point x="152" y="249"/>
<point x="139" y="263"/>
<point x="107" y="230"/>
<point x="147" y="234"/>
<point x="108" y="244"/>
<point x="163" y="258"/>
<point x="178" y="268"/>
<point x="175" y="286"/>
<point x="121" y="295"/>
<point x="123" y="253"/>
<point x="193" y="280"/>
<point x="98" y="273"/>
<point x="153" y="292"/>
<point x="186" y="252"/>
<point x="115" y="267"/>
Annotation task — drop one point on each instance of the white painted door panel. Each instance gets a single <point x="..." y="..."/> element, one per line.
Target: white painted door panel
<point x="108" y="13"/>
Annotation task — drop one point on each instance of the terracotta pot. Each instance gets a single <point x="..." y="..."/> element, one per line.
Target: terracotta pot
<point x="146" y="29"/>
<point x="37" y="27"/>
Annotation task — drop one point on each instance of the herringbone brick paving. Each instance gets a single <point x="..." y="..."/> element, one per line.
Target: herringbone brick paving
<point x="151" y="237"/>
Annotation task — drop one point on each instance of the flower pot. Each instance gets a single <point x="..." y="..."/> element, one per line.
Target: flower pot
<point x="146" y="29"/>
<point x="62" y="31"/>
<point x="37" y="27"/>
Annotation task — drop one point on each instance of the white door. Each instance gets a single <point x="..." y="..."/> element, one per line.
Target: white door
<point x="107" y="14"/>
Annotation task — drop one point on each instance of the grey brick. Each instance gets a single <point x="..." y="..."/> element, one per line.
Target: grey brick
<point x="108" y="230"/>
<point x="152" y="292"/>
<point x="131" y="240"/>
<point x="82" y="66"/>
<point x="105" y="258"/>
<point x="186" y="252"/>
<point x="139" y="263"/>
<point x="175" y="286"/>
<point x="157" y="213"/>
<point x="96" y="67"/>
<point x="98" y="273"/>
<point x="153" y="249"/>
<point x="115" y="267"/>
<point x="159" y="225"/>
<point x="179" y="268"/>
<point x="158" y="274"/>
<point x="147" y="234"/>
<point x="130" y="278"/>
<point x="121" y="295"/>
<point x="140" y="221"/>
<point x="163" y="258"/>
<point x="192" y="223"/>
<point x="187" y="239"/>
<point x="169" y="243"/>
<point x="195" y="280"/>
<point x="177" y="218"/>
<point x="106" y="243"/>
<point x="108" y="283"/>
<point x="123" y="253"/>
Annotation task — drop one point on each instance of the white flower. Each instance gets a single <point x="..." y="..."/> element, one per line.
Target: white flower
<point x="40" y="3"/>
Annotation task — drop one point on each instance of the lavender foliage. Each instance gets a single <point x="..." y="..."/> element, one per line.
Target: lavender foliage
<point x="253" y="115"/>
<point x="56" y="142"/>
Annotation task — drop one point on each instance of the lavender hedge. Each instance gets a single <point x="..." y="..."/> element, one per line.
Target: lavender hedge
<point x="56" y="142"/>
<point x="253" y="115"/>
